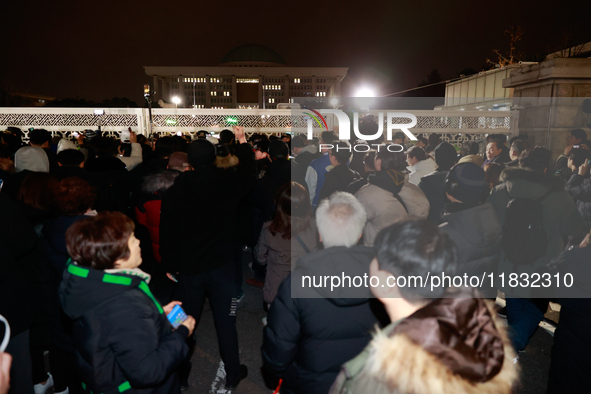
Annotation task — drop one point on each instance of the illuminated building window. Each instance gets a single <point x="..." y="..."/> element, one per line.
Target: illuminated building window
<point x="247" y="80"/>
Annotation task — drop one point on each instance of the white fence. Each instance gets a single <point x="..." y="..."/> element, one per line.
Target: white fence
<point x="454" y="126"/>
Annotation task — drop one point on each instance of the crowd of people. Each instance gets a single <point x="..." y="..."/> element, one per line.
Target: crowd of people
<point x="74" y="212"/>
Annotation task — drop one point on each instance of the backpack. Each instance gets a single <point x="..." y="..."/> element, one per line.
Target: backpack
<point x="524" y="237"/>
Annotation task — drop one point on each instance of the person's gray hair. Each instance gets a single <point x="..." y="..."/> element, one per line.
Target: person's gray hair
<point x="340" y="219"/>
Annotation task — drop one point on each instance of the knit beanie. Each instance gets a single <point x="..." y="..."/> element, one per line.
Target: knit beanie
<point x="466" y="182"/>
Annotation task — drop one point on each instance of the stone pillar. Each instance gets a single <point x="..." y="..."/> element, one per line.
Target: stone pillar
<point x="549" y="96"/>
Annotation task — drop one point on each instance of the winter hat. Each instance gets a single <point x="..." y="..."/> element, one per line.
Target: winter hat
<point x="445" y="155"/>
<point x="31" y="158"/>
<point x="201" y="153"/>
<point x="90" y="134"/>
<point x="278" y="149"/>
<point x="466" y="182"/>
<point x="178" y="160"/>
<point x="202" y="134"/>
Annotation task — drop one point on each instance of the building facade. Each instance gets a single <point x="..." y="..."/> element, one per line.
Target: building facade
<point x="250" y="76"/>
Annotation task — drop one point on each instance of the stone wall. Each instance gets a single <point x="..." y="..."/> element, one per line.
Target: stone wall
<point x="549" y="96"/>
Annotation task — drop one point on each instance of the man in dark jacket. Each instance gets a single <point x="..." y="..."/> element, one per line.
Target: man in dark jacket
<point x="560" y="217"/>
<point x="433" y="184"/>
<point x="472" y="225"/>
<point x="340" y="176"/>
<point x="262" y="200"/>
<point x="496" y="152"/>
<point x="311" y="331"/>
<point x="198" y="239"/>
<point x="575" y="137"/>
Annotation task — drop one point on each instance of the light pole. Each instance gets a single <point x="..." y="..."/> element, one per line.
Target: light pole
<point x="148" y="97"/>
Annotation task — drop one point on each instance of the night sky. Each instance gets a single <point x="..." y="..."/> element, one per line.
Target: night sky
<point x="96" y="49"/>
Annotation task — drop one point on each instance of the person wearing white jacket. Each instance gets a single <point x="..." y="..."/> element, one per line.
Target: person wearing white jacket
<point x="419" y="164"/>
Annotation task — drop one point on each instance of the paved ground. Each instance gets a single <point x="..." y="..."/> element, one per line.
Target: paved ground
<point x="535" y="362"/>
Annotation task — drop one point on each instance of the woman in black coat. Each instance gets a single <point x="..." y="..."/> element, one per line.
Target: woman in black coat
<point x="123" y="340"/>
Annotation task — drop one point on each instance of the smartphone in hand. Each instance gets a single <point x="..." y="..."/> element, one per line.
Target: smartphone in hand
<point x="177" y="316"/>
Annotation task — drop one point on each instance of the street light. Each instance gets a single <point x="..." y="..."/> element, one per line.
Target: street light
<point x="365" y="92"/>
<point x="176" y="100"/>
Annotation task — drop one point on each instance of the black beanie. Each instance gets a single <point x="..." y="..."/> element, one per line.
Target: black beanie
<point x="466" y="183"/>
<point x="201" y="153"/>
<point x="278" y="149"/>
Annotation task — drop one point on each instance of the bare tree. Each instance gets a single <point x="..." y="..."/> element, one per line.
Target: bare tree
<point x="511" y="57"/>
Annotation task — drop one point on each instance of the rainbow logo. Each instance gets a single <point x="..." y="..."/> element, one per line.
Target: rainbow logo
<point x="315" y="115"/>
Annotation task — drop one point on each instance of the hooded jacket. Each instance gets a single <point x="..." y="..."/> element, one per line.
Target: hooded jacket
<point x="393" y="363"/>
<point x="311" y="331"/>
<point x="383" y="208"/>
<point x="421" y="169"/>
<point x="478" y="236"/>
<point x="31" y="158"/>
<point x="123" y="340"/>
<point x="561" y="217"/>
<point x="198" y="219"/>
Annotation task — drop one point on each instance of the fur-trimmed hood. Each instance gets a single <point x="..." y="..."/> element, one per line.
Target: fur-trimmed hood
<point x="406" y="367"/>
<point x="159" y="182"/>
<point x="526" y="183"/>
<point x="226" y="162"/>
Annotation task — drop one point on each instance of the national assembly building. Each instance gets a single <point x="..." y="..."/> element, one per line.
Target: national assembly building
<point x="250" y="76"/>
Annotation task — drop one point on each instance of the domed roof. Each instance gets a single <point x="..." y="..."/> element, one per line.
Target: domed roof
<point x="253" y="54"/>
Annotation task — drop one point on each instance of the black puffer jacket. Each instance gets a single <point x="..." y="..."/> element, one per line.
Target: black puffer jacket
<point x="337" y="180"/>
<point x="433" y="185"/>
<point x="307" y="339"/>
<point x="579" y="187"/>
<point x="478" y="236"/>
<point x="198" y="218"/>
<point x="262" y="196"/>
<point x="123" y="340"/>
